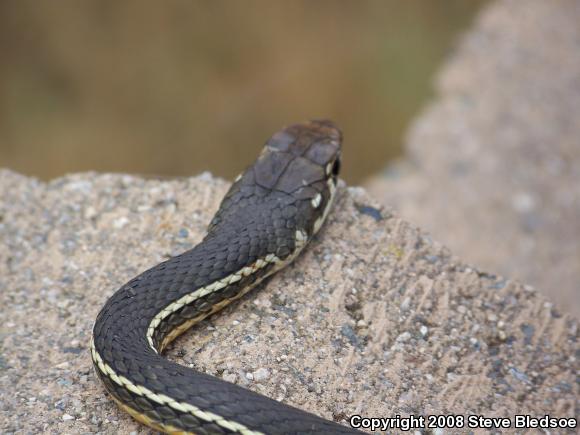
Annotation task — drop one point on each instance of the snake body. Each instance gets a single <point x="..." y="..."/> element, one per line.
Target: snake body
<point x="267" y="217"/>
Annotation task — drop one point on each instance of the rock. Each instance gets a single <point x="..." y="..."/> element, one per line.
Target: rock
<point x="57" y="268"/>
<point x="261" y="375"/>
<point x="493" y="165"/>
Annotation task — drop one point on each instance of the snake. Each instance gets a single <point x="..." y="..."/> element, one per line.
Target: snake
<point x="270" y="213"/>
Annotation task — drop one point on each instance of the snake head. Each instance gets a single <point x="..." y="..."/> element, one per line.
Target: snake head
<point x="294" y="178"/>
<point x="303" y="161"/>
<point x="305" y="153"/>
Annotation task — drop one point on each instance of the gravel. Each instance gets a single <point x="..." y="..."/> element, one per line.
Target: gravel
<point x="326" y="334"/>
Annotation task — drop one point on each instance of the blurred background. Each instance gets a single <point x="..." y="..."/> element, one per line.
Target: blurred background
<point x="174" y="88"/>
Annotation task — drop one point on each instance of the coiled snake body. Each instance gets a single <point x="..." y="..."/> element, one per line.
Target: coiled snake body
<point x="267" y="217"/>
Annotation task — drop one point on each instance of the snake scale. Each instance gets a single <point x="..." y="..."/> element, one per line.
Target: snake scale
<point x="269" y="214"/>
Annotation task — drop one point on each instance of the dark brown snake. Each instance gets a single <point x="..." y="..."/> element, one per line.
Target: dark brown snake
<point x="267" y="217"/>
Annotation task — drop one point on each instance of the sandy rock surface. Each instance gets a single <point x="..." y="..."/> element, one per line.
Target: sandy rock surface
<point x="376" y="318"/>
<point x="493" y="165"/>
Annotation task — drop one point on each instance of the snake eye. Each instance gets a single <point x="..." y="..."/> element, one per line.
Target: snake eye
<point x="336" y="167"/>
